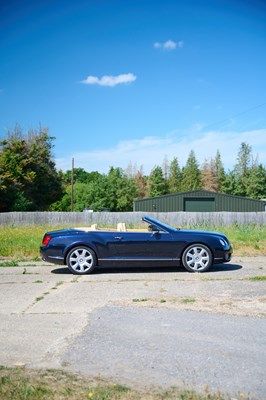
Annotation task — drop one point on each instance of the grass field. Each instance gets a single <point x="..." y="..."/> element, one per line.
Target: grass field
<point x="22" y="243"/>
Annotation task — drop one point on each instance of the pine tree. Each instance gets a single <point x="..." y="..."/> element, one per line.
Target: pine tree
<point x="156" y="183"/>
<point x="256" y="182"/>
<point x="174" y="181"/>
<point x="219" y="171"/>
<point x="191" y="176"/>
<point x="242" y="169"/>
<point x="140" y="183"/>
<point x="209" y="179"/>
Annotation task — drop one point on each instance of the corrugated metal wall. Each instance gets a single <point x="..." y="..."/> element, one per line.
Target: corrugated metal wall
<point x="176" y="202"/>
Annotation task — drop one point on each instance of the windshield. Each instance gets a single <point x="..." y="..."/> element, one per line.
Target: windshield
<point x="160" y="225"/>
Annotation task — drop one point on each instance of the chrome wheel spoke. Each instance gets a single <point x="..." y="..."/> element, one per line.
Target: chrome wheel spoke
<point x="81" y="267"/>
<point x="83" y="253"/>
<point x="74" y="264"/>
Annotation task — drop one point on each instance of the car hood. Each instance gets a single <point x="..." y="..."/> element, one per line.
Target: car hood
<point x="207" y="233"/>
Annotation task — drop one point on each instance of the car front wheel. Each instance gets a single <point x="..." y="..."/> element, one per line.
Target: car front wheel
<point x="197" y="258"/>
<point x="81" y="260"/>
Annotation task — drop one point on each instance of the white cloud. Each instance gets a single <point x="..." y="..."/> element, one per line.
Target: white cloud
<point x="109" y="80"/>
<point x="168" y="45"/>
<point x="151" y="150"/>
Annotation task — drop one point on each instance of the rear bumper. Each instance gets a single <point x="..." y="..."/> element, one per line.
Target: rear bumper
<point x="51" y="259"/>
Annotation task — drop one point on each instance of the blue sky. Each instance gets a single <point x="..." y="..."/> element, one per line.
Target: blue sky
<point x="135" y="81"/>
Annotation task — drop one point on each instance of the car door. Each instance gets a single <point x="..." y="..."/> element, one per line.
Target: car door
<point x="145" y="245"/>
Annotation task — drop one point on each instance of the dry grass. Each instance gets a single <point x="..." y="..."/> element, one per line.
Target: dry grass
<point x="24" y="384"/>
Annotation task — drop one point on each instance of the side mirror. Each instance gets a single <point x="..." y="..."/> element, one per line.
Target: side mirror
<point x="154" y="229"/>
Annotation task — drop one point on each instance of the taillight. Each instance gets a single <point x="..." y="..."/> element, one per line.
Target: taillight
<point x="46" y="240"/>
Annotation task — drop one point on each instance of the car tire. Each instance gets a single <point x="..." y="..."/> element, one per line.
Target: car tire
<point x="81" y="260"/>
<point x="197" y="258"/>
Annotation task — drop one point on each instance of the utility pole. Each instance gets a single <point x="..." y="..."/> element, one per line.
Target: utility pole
<point x="72" y="186"/>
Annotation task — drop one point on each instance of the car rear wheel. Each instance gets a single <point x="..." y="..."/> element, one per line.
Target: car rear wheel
<point x="197" y="258"/>
<point x="81" y="260"/>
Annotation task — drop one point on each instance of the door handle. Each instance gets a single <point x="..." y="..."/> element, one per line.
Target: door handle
<point x="118" y="237"/>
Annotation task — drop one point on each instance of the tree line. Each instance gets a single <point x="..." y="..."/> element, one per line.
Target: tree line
<point x="29" y="180"/>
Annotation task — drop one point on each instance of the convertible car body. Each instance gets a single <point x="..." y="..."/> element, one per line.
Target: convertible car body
<point x="161" y="245"/>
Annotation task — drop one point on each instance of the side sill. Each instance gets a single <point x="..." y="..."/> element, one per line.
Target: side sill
<point x="139" y="259"/>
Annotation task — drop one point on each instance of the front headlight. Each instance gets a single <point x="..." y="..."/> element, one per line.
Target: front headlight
<point x="223" y="242"/>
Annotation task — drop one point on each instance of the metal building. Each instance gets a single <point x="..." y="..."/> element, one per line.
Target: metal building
<point x="199" y="200"/>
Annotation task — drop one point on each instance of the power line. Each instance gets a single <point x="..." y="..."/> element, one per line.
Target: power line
<point x="235" y="115"/>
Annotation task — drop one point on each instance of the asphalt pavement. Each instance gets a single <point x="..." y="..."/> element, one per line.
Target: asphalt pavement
<point x="147" y="347"/>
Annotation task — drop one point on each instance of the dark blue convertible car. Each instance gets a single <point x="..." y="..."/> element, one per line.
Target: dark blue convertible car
<point x="83" y="249"/>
